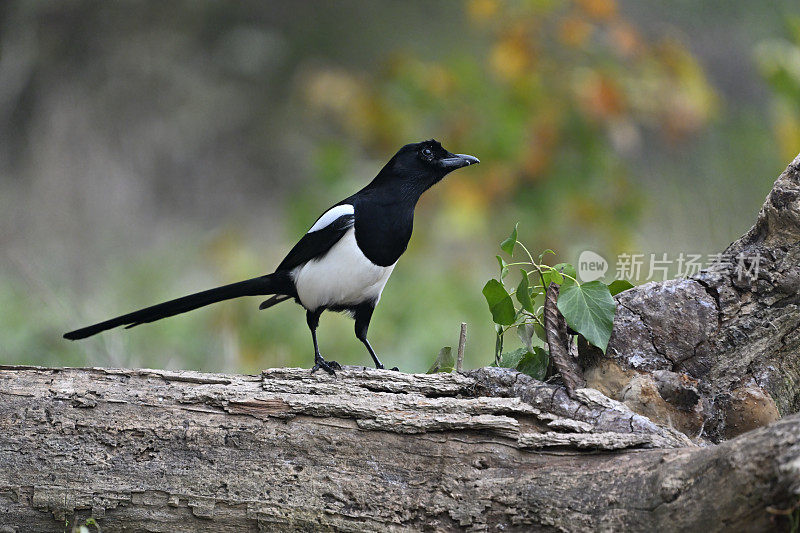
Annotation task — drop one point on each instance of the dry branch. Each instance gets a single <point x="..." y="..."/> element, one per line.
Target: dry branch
<point x="558" y="340"/>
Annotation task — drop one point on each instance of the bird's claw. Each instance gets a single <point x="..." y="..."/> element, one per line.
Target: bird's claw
<point x="328" y="366"/>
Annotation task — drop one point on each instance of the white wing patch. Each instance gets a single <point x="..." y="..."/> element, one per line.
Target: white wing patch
<point x="330" y="215"/>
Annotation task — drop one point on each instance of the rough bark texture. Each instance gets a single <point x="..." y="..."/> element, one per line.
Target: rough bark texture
<point x="146" y="450"/>
<point x="716" y="354"/>
<point x="691" y="361"/>
<point x="558" y="342"/>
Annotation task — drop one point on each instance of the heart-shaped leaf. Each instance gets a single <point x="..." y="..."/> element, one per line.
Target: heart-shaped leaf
<point x="527" y="334"/>
<point x="567" y="269"/>
<point x="512" y="359"/>
<point x="534" y="363"/>
<point x="444" y="361"/>
<point x="619" y="285"/>
<point x="503" y="267"/>
<point x="508" y="245"/>
<point x="523" y="296"/>
<point x="500" y="303"/>
<point x="541" y="334"/>
<point x="589" y="310"/>
<point x="552" y="276"/>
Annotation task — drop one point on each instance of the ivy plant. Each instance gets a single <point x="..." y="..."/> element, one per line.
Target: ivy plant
<point x="588" y="308"/>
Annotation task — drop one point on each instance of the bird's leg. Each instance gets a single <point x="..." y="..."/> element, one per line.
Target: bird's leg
<point x="363" y="315"/>
<point x="312" y="317"/>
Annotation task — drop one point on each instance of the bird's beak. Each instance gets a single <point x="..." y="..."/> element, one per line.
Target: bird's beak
<point x="458" y="160"/>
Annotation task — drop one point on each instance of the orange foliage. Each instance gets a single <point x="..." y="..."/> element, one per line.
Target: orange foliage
<point x="600" y="97"/>
<point x="479" y="10"/>
<point x="626" y="39"/>
<point x="555" y="102"/>
<point x="511" y="57"/>
<point x="599" y="9"/>
<point x="575" y="31"/>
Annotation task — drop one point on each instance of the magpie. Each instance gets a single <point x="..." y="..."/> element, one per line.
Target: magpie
<point x="344" y="260"/>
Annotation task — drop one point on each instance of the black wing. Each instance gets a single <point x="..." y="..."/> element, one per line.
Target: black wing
<point x="317" y="243"/>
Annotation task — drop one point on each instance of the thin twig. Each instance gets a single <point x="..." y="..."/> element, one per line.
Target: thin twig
<point x="462" y="343"/>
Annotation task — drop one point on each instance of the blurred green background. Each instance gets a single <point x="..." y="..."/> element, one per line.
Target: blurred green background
<point x="153" y="149"/>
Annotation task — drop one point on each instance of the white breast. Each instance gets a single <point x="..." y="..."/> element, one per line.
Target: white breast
<point x="342" y="277"/>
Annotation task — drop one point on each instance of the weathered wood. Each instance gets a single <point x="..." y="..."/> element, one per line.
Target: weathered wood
<point x="368" y="450"/>
<point x="558" y="341"/>
<point x="716" y="354"/>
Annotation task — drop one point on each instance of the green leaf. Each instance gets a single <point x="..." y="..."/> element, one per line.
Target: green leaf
<point x="548" y="251"/>
<point x="503" y="267"/>
<point x="444" y="361"/>
<point x="540" y="332"/>
<point x="512" y="359"/>
<point x="534" y="363"/>
<point x="500" y="303"/>
<point x="589" y="310"/>
<point x="552" y="276"/>
<point x="508" y="245"/>
<point x="527" y="334"/>
<point x="567" y="269"/>
<point x="523" y="296"/>
<point x="619" y="285"/>
<point x="498" y="343"/>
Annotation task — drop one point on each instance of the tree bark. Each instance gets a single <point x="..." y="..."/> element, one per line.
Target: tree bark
<point x="717" y="354"/>
<point x="368" y="450"/>
<point x="558" y="342"/>
<point x="691" y="362"/>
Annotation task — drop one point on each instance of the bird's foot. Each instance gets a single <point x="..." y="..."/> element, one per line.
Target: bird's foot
<point x="394" y="369"/>
<point x="328" y="366"/>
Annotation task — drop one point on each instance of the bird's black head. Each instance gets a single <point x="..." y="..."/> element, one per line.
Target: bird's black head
<point x="417" y="167"/>
<point x="428" y="158"/>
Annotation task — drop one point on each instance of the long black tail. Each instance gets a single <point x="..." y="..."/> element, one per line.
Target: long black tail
<point x="269" y="284"/>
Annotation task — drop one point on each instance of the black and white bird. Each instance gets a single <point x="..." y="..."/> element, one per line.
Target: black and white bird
<point x="345" y="259"/>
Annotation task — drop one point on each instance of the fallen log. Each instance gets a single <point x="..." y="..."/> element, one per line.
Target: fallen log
<point x="369" y="450"/>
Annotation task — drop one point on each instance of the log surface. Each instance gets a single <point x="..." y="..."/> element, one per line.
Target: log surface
<point x="368" y="450"/>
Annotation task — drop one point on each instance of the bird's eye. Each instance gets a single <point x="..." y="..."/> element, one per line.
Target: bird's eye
<point x="427" y="152"/>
